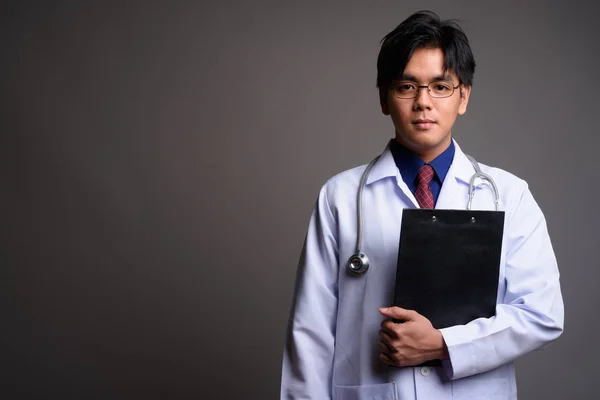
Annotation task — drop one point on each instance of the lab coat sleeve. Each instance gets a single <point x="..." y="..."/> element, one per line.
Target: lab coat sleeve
<point x="531" y="315"/>
<point x="308" y="352"/>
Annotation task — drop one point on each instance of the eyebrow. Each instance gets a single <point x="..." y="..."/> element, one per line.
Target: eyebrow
<point x="437" y="78"/>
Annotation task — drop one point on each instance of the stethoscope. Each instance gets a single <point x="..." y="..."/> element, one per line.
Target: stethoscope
<point x="359" y="262"/>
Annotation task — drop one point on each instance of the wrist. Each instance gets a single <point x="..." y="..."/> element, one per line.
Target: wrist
<point x="441" y="346"/>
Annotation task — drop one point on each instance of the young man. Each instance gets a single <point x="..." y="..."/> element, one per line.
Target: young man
<point x="342" y="341"/>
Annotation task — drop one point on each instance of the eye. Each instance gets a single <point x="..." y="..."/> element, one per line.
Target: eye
<point x="405" y="87"/>
<point x="441" y="87"/>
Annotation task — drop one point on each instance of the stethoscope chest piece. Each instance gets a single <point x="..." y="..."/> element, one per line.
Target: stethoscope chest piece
<point x="358" y="264"/>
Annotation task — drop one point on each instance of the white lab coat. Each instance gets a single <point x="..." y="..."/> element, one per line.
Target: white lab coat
<point x="332" y="350"/>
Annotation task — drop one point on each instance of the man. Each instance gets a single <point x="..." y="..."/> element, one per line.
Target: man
<point x="342" y="340"/>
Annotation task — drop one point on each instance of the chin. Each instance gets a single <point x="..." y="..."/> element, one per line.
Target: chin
<point x="427" y="139"/>
<point x="423" y="142"/>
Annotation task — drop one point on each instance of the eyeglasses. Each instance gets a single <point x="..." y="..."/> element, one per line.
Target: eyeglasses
<point x="410" y="90"/>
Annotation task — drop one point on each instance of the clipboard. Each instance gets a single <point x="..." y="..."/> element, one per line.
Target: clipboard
<point x="449" y="263"/>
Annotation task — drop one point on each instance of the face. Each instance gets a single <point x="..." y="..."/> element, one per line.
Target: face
<point x="424" y="124"/>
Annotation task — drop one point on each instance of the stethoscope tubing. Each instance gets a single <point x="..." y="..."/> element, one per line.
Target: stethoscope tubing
<point x="358" y="263"/>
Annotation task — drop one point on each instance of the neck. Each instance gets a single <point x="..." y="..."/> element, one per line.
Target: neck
<point x="426" y="152"/>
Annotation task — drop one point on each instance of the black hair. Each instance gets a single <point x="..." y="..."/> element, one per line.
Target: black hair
<point x="424" y="29"/>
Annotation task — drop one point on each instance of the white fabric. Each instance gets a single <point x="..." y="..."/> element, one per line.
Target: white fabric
<point x="331" y="349"/>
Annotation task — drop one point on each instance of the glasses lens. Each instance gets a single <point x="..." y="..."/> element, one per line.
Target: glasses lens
<point x="441" y="89"/>
<point x="405" y="90"/>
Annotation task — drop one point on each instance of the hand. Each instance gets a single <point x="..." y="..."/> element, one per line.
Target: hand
<point x="409" y="343"/>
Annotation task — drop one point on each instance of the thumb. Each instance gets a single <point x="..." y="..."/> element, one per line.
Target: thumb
<point x="399" y="313"/>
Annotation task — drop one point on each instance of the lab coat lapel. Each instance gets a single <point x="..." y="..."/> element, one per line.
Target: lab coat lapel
<point x="410" y="197"/>
<point x="386" y="167"/>
<point x="454" y="191"/>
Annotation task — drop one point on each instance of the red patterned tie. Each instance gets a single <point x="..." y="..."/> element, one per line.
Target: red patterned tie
<point x="423" y="193"/>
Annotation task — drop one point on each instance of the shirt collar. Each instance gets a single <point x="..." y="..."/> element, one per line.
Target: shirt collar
<point x="409" y="164"/>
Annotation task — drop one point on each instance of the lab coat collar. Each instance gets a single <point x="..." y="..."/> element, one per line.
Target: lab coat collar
<point x="461" y="167"/>
<point x="384" y="167"/>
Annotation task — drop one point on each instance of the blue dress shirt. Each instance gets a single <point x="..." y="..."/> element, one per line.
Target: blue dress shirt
<point x="409" y="164"/>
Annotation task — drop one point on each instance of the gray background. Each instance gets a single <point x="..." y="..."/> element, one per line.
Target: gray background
<point x="159" y="163"/>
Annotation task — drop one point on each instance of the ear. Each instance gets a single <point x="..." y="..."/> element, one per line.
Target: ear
<point x="384" y="102"/>
<point x="465" y="92"/>
<point x="384" y="109"/>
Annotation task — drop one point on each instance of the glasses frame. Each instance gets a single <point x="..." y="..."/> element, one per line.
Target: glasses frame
<point x="419" y="87"/>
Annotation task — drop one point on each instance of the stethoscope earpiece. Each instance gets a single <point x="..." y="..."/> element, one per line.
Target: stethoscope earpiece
<point x="358" y="263"/>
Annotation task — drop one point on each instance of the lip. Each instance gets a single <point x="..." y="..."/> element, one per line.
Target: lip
<point x="423" y="123"/>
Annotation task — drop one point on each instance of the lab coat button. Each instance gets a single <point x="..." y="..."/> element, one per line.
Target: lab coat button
<point x="425" y="371"/>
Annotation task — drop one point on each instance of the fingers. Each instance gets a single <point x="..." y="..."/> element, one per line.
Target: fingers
<point x="390" y="328"/>
<point x="408" y="343"/>
<point x="387" y="352"/>
<point x="386" y="343"/>
<point x="399" y="313"/>
<point x="386" y="359"/>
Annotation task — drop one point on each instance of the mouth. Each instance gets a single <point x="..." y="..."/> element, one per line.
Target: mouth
<point x="423" y="123"/>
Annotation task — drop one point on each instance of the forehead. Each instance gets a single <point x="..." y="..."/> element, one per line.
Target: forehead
<point x="427" y="64"/>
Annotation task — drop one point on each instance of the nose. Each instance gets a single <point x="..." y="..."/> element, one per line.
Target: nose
<point x="423" y="99"/>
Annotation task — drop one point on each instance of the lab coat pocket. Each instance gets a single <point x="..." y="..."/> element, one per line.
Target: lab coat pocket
<point x="385" y="391"/>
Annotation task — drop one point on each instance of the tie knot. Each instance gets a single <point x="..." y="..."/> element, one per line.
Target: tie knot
<point x="425" y="174"/>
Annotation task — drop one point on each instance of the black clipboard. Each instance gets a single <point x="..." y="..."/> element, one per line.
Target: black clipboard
<point x="449" y="263"/>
